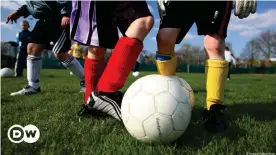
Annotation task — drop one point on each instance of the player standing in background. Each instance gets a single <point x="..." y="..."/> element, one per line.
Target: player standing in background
<point x="97" y="27"/>
<point x="212" y="20"/>
<point x="22" y="38"/>
<point x="77" y="52"/>
<point x="52" y="26"/>
<point x="135" y="70"/>
<point x="229" y="57"/>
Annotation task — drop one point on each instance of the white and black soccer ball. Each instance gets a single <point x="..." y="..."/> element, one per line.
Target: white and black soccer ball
<point x="6" y="72"/>
<point x="157" y="109"/>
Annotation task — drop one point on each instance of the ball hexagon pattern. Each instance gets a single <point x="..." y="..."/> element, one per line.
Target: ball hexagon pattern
<point x="157" y="109"/>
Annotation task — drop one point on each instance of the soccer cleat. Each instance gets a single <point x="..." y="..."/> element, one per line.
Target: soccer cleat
<point x="109" y="103"/>
<point x="26" y="91"/>
<point x="84" y="110"/>
<point x="82" y="86"/>
<point x="214" y="119"/>
<point x="136" y="74"/>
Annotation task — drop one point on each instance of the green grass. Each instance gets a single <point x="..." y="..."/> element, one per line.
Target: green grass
<point x="251" y="101"/>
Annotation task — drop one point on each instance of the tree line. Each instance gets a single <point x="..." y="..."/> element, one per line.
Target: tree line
<point x="259" y="51"/>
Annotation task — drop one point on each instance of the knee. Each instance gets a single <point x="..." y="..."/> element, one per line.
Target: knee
<point x="61" y="56"/>
<point x="140" y="28"/>
<point x="164" y="38"/>
<point x="34" y="49"/>
<point x="147" y="23"/>
<point x="96" y="53"/>
<point x="214" y="44"/>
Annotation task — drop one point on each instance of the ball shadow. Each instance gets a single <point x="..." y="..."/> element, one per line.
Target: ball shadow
<point x="195" y="136"/>
<point x="204" y="91"/>
<point x="261" y="111"/>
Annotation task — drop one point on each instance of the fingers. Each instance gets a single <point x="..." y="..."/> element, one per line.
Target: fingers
<point x="65" y="23"/>
<point x="254" y="7"/>
<point x="248" y="6"/>
<point x="243" y="8"/>
<point x="8" y="19"/>
<point x="14" y="21"/>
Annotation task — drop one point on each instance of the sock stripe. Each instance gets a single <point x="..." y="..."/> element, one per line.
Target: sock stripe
<point x="33" y="58"/>
<point x="68" y="61"/>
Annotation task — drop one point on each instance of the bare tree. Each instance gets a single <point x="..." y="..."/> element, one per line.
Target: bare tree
<point x="250" y="53"/>
<point x="189" y="54"/>
<point x="266" y="44"/>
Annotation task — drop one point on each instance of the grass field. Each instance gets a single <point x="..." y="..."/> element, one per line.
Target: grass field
<point x="251" y="101"/>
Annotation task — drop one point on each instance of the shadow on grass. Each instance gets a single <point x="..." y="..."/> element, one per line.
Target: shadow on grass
<point x="5" y="101"/>
<point x="260" y="111"/>
<point x="196" y="137"/>
<point x="204" y="90"/>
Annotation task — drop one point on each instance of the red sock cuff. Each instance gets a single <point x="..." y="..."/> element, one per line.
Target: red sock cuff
<point x="121" y="62"/>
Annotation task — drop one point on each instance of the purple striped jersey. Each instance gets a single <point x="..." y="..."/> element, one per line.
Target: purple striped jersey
<point x="83" y="28"/>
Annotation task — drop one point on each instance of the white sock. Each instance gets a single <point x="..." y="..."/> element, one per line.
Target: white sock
<point x="33" y="71"/>
<point x="74" y="66"/>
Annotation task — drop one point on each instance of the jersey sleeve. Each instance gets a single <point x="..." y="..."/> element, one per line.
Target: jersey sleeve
<point x="234" y="60"/>
<point x="23" y="11"/>
<point x="66" y="7"/>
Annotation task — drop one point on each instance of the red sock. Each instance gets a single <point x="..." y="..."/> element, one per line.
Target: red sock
<point x="120" y="64"/>
<point x="93" y="69"/>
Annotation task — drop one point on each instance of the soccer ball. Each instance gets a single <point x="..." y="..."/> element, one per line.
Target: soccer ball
<point x="156" y="109"/>
<point x="136" y="74"/>
<point x="6" y="72"/>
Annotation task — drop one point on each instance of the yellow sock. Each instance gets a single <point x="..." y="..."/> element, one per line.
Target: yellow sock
<point x="166" y="64"/>
<point x="216" y="74"/>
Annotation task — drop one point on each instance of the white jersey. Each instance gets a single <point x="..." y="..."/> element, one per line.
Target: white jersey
<point x="140" y="57"/>
<point x="229" y="57"/>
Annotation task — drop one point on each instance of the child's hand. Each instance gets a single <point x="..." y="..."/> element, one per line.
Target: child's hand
<point x="12" y="17"/>
<point x="65" y="22"/>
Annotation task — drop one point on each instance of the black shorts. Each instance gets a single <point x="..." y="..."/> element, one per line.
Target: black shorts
<point x="211" y="17"/>
<point x="51" y="35"/>
<point x="95" y="22"/>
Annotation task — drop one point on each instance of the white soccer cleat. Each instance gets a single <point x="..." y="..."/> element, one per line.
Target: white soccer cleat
<point x="82" y="90"/>
<point x="136" y="74"/>
<point x="26" y="91"/>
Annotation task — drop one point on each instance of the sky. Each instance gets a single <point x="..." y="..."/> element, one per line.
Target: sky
<point x="240" y="31"/>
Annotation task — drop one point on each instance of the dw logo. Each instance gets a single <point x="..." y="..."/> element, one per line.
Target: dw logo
<point x="29" y="133"/>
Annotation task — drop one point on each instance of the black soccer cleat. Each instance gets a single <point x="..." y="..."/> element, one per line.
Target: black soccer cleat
<point x="109" y="103"/>
<point x="83" y="111"/>
<point x="214" y="119"/>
